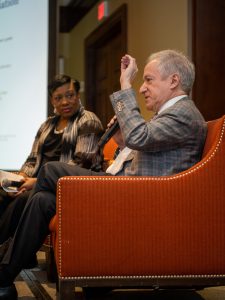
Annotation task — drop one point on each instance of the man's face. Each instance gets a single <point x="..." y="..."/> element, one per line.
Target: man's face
<point x="156" y="90"/>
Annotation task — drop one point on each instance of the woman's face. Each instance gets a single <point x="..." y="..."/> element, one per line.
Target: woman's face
<point x="65" y="100"/>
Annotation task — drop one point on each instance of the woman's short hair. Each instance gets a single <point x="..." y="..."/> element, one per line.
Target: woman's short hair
<point x="60" y="80"/>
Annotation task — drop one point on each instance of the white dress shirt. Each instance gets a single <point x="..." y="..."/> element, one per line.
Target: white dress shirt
<point x="116" y="166"/>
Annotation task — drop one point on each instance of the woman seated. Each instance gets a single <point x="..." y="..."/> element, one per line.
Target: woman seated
<point x="70" y="136"/>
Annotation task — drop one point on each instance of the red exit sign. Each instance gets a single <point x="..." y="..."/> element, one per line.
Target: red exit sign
<point x="102" y="10"/>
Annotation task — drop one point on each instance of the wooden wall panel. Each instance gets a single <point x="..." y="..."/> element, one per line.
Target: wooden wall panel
<point x="208" y="24"/>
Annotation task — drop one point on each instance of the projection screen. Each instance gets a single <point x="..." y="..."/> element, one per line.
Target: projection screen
<point x="23" y="77"/>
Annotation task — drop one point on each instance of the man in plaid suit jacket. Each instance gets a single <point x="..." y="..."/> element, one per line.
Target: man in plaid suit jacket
<point x="169" y="143"/>
<point x="173" y="140"/>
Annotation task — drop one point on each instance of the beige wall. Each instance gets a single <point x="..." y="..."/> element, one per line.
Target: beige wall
<point x="153" y="25"/>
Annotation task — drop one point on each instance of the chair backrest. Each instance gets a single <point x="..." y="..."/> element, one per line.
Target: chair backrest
<point x="213" y="134"/>
<point x="109" y="150"/>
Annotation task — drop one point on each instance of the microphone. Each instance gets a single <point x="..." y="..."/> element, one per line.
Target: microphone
<point x="101" y="143"/>
<point x="11" y="183"/>
<point x="108" y="134"/>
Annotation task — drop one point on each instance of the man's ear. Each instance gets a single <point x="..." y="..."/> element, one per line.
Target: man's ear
<point x="175" y="80"/>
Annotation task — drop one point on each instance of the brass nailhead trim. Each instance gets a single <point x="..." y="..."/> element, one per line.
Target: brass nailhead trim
<point x="147" y="277"/>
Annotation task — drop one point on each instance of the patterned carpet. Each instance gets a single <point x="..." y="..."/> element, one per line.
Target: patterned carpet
<point x="32" y="284"/>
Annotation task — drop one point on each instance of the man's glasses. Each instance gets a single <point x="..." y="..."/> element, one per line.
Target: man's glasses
<point x="70" y="96"/>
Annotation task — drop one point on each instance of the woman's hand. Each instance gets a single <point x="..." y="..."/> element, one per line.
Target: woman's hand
<point x="28" y="184"/>
<point x="14" y="195"/>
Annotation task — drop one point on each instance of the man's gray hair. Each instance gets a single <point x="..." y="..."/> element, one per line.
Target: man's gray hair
<point x="172" y="61"/>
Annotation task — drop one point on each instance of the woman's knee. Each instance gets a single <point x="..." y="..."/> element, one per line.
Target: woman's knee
<point x="44" y="202"/>
<point x="49" y="168"/>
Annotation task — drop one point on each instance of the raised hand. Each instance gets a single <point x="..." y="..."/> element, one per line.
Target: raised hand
<point x="128" y="71"/>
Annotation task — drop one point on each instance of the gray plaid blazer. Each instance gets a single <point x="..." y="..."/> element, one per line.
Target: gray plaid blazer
<point x="168" y="144"/>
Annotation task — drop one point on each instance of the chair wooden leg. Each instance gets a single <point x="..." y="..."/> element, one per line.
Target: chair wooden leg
<point x="51" y="268"/>
<point x="66" y="290"/>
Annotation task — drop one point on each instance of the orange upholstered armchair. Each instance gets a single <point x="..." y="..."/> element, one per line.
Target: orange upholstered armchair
<point x="144" y="231"/>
